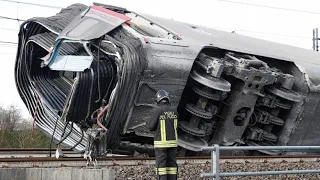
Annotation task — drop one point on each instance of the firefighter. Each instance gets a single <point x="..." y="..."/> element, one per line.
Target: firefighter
<point x="164" y="123"/>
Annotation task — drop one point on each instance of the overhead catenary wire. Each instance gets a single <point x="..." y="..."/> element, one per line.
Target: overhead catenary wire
<point x="269" y="7"/>
<point x="8" y="45"/>
<point x="33" y="4"/>
<point x="228" y="1"/>
<point x="8" y="29"/>
<point x="6" y="53"/>
<point x="10" y="18"/>
<point x="243" y="30"/>
<point x="8" y="42"/>
<point x="222" y="28"/>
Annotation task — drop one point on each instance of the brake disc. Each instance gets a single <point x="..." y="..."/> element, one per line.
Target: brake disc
<point x="216" y="96"/>
<point x="193" y="109"/>
<point x="210" y="81"/>
<point x="184" y="125"/>
<point x="284" y="93"/>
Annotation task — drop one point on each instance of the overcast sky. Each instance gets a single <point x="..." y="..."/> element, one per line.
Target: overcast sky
<point x="287" y="27"/>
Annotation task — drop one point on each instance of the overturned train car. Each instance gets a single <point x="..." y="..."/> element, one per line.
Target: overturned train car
<point x="88" y="75"/>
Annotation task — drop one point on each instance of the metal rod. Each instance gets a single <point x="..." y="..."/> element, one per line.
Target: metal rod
<point x="313" y="40"/>
<point x="215" y="157"/>
<point x="317" y="39"/>
<point x="230" y="148"/>
<point x="217" y="161"/>
<point x="213" y="163"/>
<point x="262" y="173"/>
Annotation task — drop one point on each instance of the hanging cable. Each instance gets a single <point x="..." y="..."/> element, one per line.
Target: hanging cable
<point x="100" y="115"/>
<point x="54" y="130"/>
<point x="81" y="138"/>
<point x="65" y="137"/>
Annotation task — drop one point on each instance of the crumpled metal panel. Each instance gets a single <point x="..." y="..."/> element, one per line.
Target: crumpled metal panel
<point x="160" y="64"/>
<point x="59" y="21"/>
<point x="93" y="23"/>
<point x="90" y="24"/>
<point x="43" y="92"/>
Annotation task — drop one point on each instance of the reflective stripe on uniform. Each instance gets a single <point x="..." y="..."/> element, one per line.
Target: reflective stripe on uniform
<point x="166" y="170"/>
<point x="161" y="171"/>
<point x="175" y="127"/>
<point x="167" y="140"/>
<point x="163" y="130"/>
<point x="171" y="170"/>
<point x="164" y="144"/>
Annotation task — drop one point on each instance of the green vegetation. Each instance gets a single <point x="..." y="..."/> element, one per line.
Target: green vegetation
<point x="16" y="132"/>
<point x="24" y="139"/>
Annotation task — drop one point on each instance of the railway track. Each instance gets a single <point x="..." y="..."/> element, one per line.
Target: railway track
<point x="41" y="158"/>
<point x="14" y="154"/>
<point x="6" y="153"/>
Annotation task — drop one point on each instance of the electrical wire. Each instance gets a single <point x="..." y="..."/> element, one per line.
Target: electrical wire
<point x="8" y="46"/>
<point x="82" y="135"/>
<point x="100" y="115"/>
<point x="6" y="53"/>
<point x="64" y="137"/>
<point x="269" y="7"/>
<point x="32" y="4"/>
<point x="54" y="131"/>
<point x="8" y="42"/>
<point x="10" y="18"/>
<point x="227" y="1"/>
<point x="7" y="29"/>
<point x="215" y="27"/>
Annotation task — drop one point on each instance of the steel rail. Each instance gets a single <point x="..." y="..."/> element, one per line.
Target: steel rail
<point x="117" y="158"/>
<point x="41" y="151"/>
<point x="29" y="149"/>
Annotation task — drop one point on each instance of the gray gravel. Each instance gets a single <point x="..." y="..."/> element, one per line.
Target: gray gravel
<point x="193" y="171"/>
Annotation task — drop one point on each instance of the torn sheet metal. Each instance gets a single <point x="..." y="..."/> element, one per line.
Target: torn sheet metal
<point x="93" y="23"/>
<point x="90" y="24"/>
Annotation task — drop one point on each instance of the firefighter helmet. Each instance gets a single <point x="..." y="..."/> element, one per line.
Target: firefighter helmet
<point x="161" y="94"/>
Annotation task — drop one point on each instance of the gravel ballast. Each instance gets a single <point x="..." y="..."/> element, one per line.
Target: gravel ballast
<point x="192" y="171"/>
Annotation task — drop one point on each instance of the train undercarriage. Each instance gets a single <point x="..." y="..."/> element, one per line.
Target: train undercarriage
<point x="88" y="75"/>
